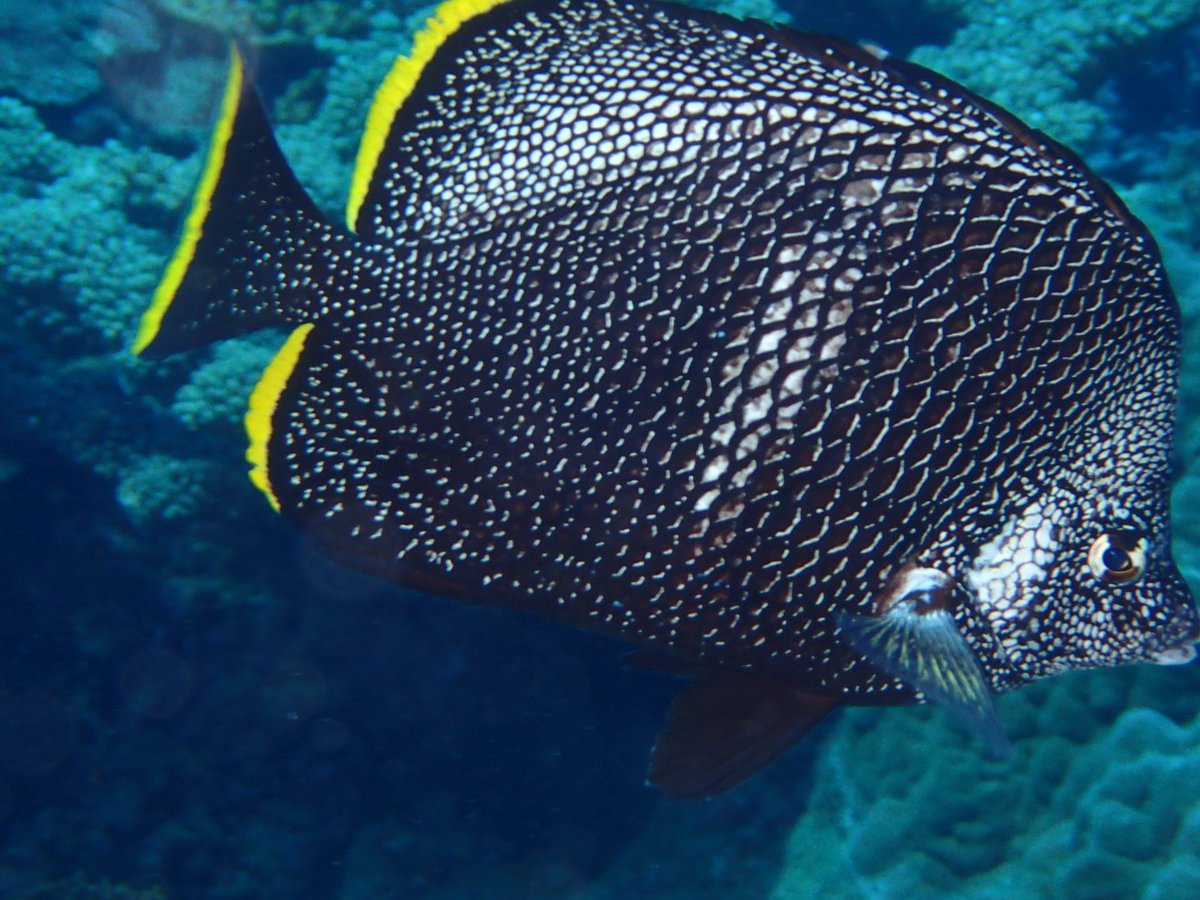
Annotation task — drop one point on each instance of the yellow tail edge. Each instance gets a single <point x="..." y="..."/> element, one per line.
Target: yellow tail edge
<point x="193" y="226"/>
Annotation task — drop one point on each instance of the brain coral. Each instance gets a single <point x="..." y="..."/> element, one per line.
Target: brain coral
<point x="1082" y="809"/>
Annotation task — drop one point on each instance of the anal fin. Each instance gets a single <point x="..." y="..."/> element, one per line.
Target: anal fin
<point x="725" y="727"/>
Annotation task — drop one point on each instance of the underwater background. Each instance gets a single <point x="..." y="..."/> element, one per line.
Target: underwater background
<point x="194" y="704"/>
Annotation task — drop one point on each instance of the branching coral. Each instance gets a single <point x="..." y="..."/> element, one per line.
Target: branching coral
<point x="74" y="264"/>
<point x="1042" y="59"/>
<point x="217" y="390"/>
<point x="164" y="487"/>
<point x="322" y="148"/>
<point x="45" y="55"/>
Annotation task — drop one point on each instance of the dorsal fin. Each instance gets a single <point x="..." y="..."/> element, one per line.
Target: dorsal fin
<point x="396" y="88"/>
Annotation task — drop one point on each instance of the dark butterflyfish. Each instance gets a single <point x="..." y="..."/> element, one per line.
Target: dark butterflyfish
<point x="817" y="376"/>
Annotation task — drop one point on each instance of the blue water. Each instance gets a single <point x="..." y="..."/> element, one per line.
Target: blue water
<point x="193" y="704"/>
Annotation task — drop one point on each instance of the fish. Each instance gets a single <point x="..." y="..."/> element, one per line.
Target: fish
<point x="814" y="376"/>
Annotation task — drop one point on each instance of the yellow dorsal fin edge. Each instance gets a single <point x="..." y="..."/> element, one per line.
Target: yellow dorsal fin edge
<point x="193" y="226"/>
<point x="397" y="87"/>
<point x="263" y="401"/>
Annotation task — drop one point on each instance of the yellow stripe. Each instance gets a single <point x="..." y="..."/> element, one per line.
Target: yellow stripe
<point x="263" y="401"/>
<point x="193" y="227"/>
<point x="397" y="87"/>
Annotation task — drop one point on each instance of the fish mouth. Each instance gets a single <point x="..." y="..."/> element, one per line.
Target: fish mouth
<point x="1177" y="646"/>
<point x="1178" y="655"/>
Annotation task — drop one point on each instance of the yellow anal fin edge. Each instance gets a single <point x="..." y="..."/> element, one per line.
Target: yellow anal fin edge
<point x="264" y="400"/>
<point x="398" y="86"/>
<point x="193" y="226"/>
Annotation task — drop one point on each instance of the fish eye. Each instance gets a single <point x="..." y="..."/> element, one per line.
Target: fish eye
<point x="1118" y="557"/>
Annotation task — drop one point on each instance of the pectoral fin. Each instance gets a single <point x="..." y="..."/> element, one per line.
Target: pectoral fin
<point x="726" y="726"/>
<point x="915" y="639"/>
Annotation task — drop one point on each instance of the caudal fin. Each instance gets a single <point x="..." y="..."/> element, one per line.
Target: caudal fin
<point x="255" y="251"/>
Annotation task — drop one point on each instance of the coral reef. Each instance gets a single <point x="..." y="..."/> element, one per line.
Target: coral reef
<point x="46" y="56"/>
<point x="209" y="710"/>
<point x="360" y="65"/>
<point x="1083" y="808"/>
<point x="1045" y="60"/>
<point x="217" y="389"/>
<point x="79" y="888"/>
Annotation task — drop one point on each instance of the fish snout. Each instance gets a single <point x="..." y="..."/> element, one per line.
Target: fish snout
<point x="1178" y="655"/>
<point x="1178" y="647"/>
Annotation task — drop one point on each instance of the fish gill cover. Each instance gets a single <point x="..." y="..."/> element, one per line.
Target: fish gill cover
<point x="205" y="707"/>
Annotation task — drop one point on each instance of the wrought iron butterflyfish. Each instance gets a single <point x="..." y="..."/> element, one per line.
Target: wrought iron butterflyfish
<point x="820" y="378"/>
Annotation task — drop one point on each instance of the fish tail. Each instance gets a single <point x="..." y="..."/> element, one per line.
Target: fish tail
<point x="253" y="245"/>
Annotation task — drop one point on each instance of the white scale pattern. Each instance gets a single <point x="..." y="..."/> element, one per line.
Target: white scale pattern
<point x="697" y="333"/>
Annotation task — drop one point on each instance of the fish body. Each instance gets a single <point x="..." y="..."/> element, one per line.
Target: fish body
<point x="822" y="378"/>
